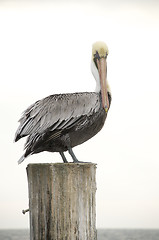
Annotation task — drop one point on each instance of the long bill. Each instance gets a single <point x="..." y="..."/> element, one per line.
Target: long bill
<point x="102" y="68"/>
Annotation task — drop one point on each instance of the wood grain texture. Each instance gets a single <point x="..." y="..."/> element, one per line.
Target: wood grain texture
<point x="62" y="201"/>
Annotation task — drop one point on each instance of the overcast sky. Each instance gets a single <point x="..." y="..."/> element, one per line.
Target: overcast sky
<point x="46" y="49"/>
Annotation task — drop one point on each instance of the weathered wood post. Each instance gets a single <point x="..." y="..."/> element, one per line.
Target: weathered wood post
<point x="62" y="201"/>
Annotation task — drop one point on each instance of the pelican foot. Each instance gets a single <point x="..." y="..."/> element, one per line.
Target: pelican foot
<point x="80" y="162"/>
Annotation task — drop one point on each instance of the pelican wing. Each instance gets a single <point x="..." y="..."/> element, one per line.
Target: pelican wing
<point x="58" y="111"/>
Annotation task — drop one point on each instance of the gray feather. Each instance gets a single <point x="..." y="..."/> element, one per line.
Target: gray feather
<point x="57" y="111"/>
<point x="21" y="159"/>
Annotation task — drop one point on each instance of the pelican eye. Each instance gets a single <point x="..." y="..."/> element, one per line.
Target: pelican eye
<point x="96" y="56"/>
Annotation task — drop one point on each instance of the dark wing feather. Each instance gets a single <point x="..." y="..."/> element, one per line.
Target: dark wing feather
<point x="55" y="112"/>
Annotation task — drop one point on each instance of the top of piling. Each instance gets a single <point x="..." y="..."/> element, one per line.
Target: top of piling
<point x="62" y="165"/>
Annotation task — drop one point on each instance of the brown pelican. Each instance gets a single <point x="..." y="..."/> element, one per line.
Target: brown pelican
<point x="60" y="122"/>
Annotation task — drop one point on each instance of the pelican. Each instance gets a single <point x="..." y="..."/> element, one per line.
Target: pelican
<point x="60" y="122"/>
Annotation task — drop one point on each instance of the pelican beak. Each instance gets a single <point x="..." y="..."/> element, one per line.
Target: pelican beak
<point x="102" y="69"/>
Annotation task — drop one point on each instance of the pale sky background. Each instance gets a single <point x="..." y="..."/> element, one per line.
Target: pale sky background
<point x="46" y="49"/>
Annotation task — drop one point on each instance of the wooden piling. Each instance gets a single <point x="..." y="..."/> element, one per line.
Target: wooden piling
<point x="62" y="202"/>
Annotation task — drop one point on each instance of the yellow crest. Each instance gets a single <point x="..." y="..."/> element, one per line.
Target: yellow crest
<point x="101" y="48"/>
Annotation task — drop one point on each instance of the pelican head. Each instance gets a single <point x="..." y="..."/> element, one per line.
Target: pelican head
<point x="99" y="70"/>
<point x="100" y="49"/>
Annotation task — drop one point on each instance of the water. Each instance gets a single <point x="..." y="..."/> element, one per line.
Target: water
<point x="103" y="234"/>
<point x="22" y="234"/>
<point x="128" y="234"/>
